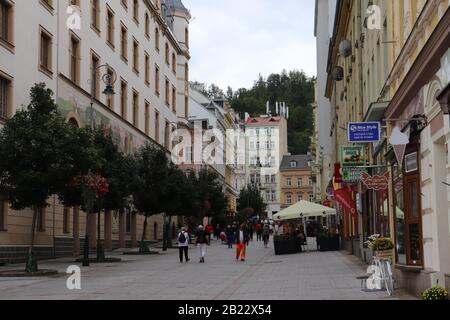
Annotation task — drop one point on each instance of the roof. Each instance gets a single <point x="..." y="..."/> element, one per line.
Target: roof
<point x="176" y="5"/>
<point x="301" y="159"/>
<point x="263" y="120"/>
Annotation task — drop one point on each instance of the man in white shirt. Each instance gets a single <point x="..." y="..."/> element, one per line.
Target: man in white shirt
<point x="183" y="244"/>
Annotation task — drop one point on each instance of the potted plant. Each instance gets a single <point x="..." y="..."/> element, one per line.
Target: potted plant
<point x="285" y="244"/>
<point x="435" y="293"/>
<point x="382" y="247"/>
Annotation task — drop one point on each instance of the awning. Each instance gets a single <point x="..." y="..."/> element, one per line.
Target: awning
<point x="376" y="111"/>
<point x="304" y="209"/>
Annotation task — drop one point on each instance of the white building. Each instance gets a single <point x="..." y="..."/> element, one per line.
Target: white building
<point x="266" y="144"/>
<point x="142" y="44"/>
<point x="323" y="144"/>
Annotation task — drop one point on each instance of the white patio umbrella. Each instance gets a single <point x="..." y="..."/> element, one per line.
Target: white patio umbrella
<point x="304" y="209"/>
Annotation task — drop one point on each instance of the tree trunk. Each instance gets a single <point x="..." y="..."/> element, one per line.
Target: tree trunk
<point x="143" y="248"/>
<point x="100" y="250"/>
<point x="169" y="232"/>
<point x="31" y="265"/>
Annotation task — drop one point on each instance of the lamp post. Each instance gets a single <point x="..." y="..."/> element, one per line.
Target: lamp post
<point x="109" y="78"/>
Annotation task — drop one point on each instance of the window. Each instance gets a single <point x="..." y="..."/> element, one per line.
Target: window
<point x="110" y="26"/>
<point x="5" y="86"/>
<point x="123" y="100"/>
<point x="3" y="211"/>
<point x="136" y="11"/>
<point x="310" y="181"/>
<point x="74" y="59"/>
<point x="41" y="220"/>
<point x="45" y="58"/>
<point x="147" y="69"/>
<point x="128" y="221"/>
<point x="311" y="197"/>
<point x="157" y="39"/>
<point x="66" y="220"/>
<point x="167" y="135"/>
<point x="273" y="196"/>
<point x="95" y="62"/>
<point x="95" y="14"/>
<point x="174" y="63"/>
<point x="135" y="56"/>
<point x="267" y="179"/>
<point x="167" y="95"/>
<point x="174" y="99"/>
<point x="289" y="199"/>
<point x="293" y="164"/>
<point x="135" y="109"/>
<point x="167" y="53"/>
<point x="110" y="101"/>
<point x="6" y="23"/>
<point x="147" y="25"/>
<point x="289" y="182"/>
<point x="300" y="182"/>
<point x="124" y="43"/>
<point x="188" y="155"/>
<point x="147" y="118"/>
<point x="272" y="178"/>
<point x="157" y="126"/>
<point x="157" y="80"/>
<point x="299" y="197"/>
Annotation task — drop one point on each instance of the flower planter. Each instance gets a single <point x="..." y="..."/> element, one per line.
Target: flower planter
<point x="384" y="255"/>
<point x="328" y="243"/>
<point x="286" y="246"/>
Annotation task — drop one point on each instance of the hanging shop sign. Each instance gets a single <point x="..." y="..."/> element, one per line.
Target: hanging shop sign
<point x="364" y="132"/>
<point x="353" y="160"/>
<point x="376" y="183"/>
<point x="353" y="156"/>
<point x="352" y="174"/>
<point x="346" y="201"/>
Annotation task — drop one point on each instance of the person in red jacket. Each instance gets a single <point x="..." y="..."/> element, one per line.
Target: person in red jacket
<point x="209" y="231"/>
<point x="259" y="230"/>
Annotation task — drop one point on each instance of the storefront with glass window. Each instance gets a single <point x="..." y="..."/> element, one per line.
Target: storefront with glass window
<point x="419" y="197"/>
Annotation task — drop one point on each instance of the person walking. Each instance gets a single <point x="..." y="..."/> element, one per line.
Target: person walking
<point x="259" y="230"/>
<point x="266" y="235"/>
<point x="209" y="230"/>
<point x="229" y="232"/>
<point x="242" y="238"/>
<point x="201" y="240"/>
<point x="183" y="244"/>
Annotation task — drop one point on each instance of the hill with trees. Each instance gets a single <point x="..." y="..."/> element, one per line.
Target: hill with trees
<point x="293" y="87"/>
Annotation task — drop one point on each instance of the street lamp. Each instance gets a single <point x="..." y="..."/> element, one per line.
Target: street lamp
<point x="109" y="78"/>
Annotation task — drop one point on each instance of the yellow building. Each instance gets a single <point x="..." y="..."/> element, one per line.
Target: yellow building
<point x="296" y="180"/>
<point x="389" y="62"/>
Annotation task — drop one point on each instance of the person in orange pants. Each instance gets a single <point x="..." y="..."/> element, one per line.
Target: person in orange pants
<point x="242" y="237"/>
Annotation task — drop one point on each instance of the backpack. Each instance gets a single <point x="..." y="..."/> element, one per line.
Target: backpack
<point x="182" y="238"/>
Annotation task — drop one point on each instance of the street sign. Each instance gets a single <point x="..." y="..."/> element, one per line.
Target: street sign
<point x="364" y="132"/>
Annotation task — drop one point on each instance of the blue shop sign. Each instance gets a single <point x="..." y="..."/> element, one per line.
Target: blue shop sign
<point x="364" y="132"/>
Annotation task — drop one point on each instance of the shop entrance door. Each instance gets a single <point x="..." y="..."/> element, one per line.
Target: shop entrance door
<point x="414" y="251"/>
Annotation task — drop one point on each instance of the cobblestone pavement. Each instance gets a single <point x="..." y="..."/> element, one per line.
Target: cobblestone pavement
<point x="264" y="276"/>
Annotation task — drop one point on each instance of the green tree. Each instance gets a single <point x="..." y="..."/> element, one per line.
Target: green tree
<point x="150" y="185"/>
<point x="35" y="158"/>
<point x="118" y="168"/>
<point x="250" y="202"/>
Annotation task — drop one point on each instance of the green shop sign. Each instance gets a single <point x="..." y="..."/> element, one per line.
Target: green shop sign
<point x="352" y="159"/>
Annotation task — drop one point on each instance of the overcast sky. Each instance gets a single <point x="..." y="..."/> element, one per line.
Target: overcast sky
<point x="232" y="41"/>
